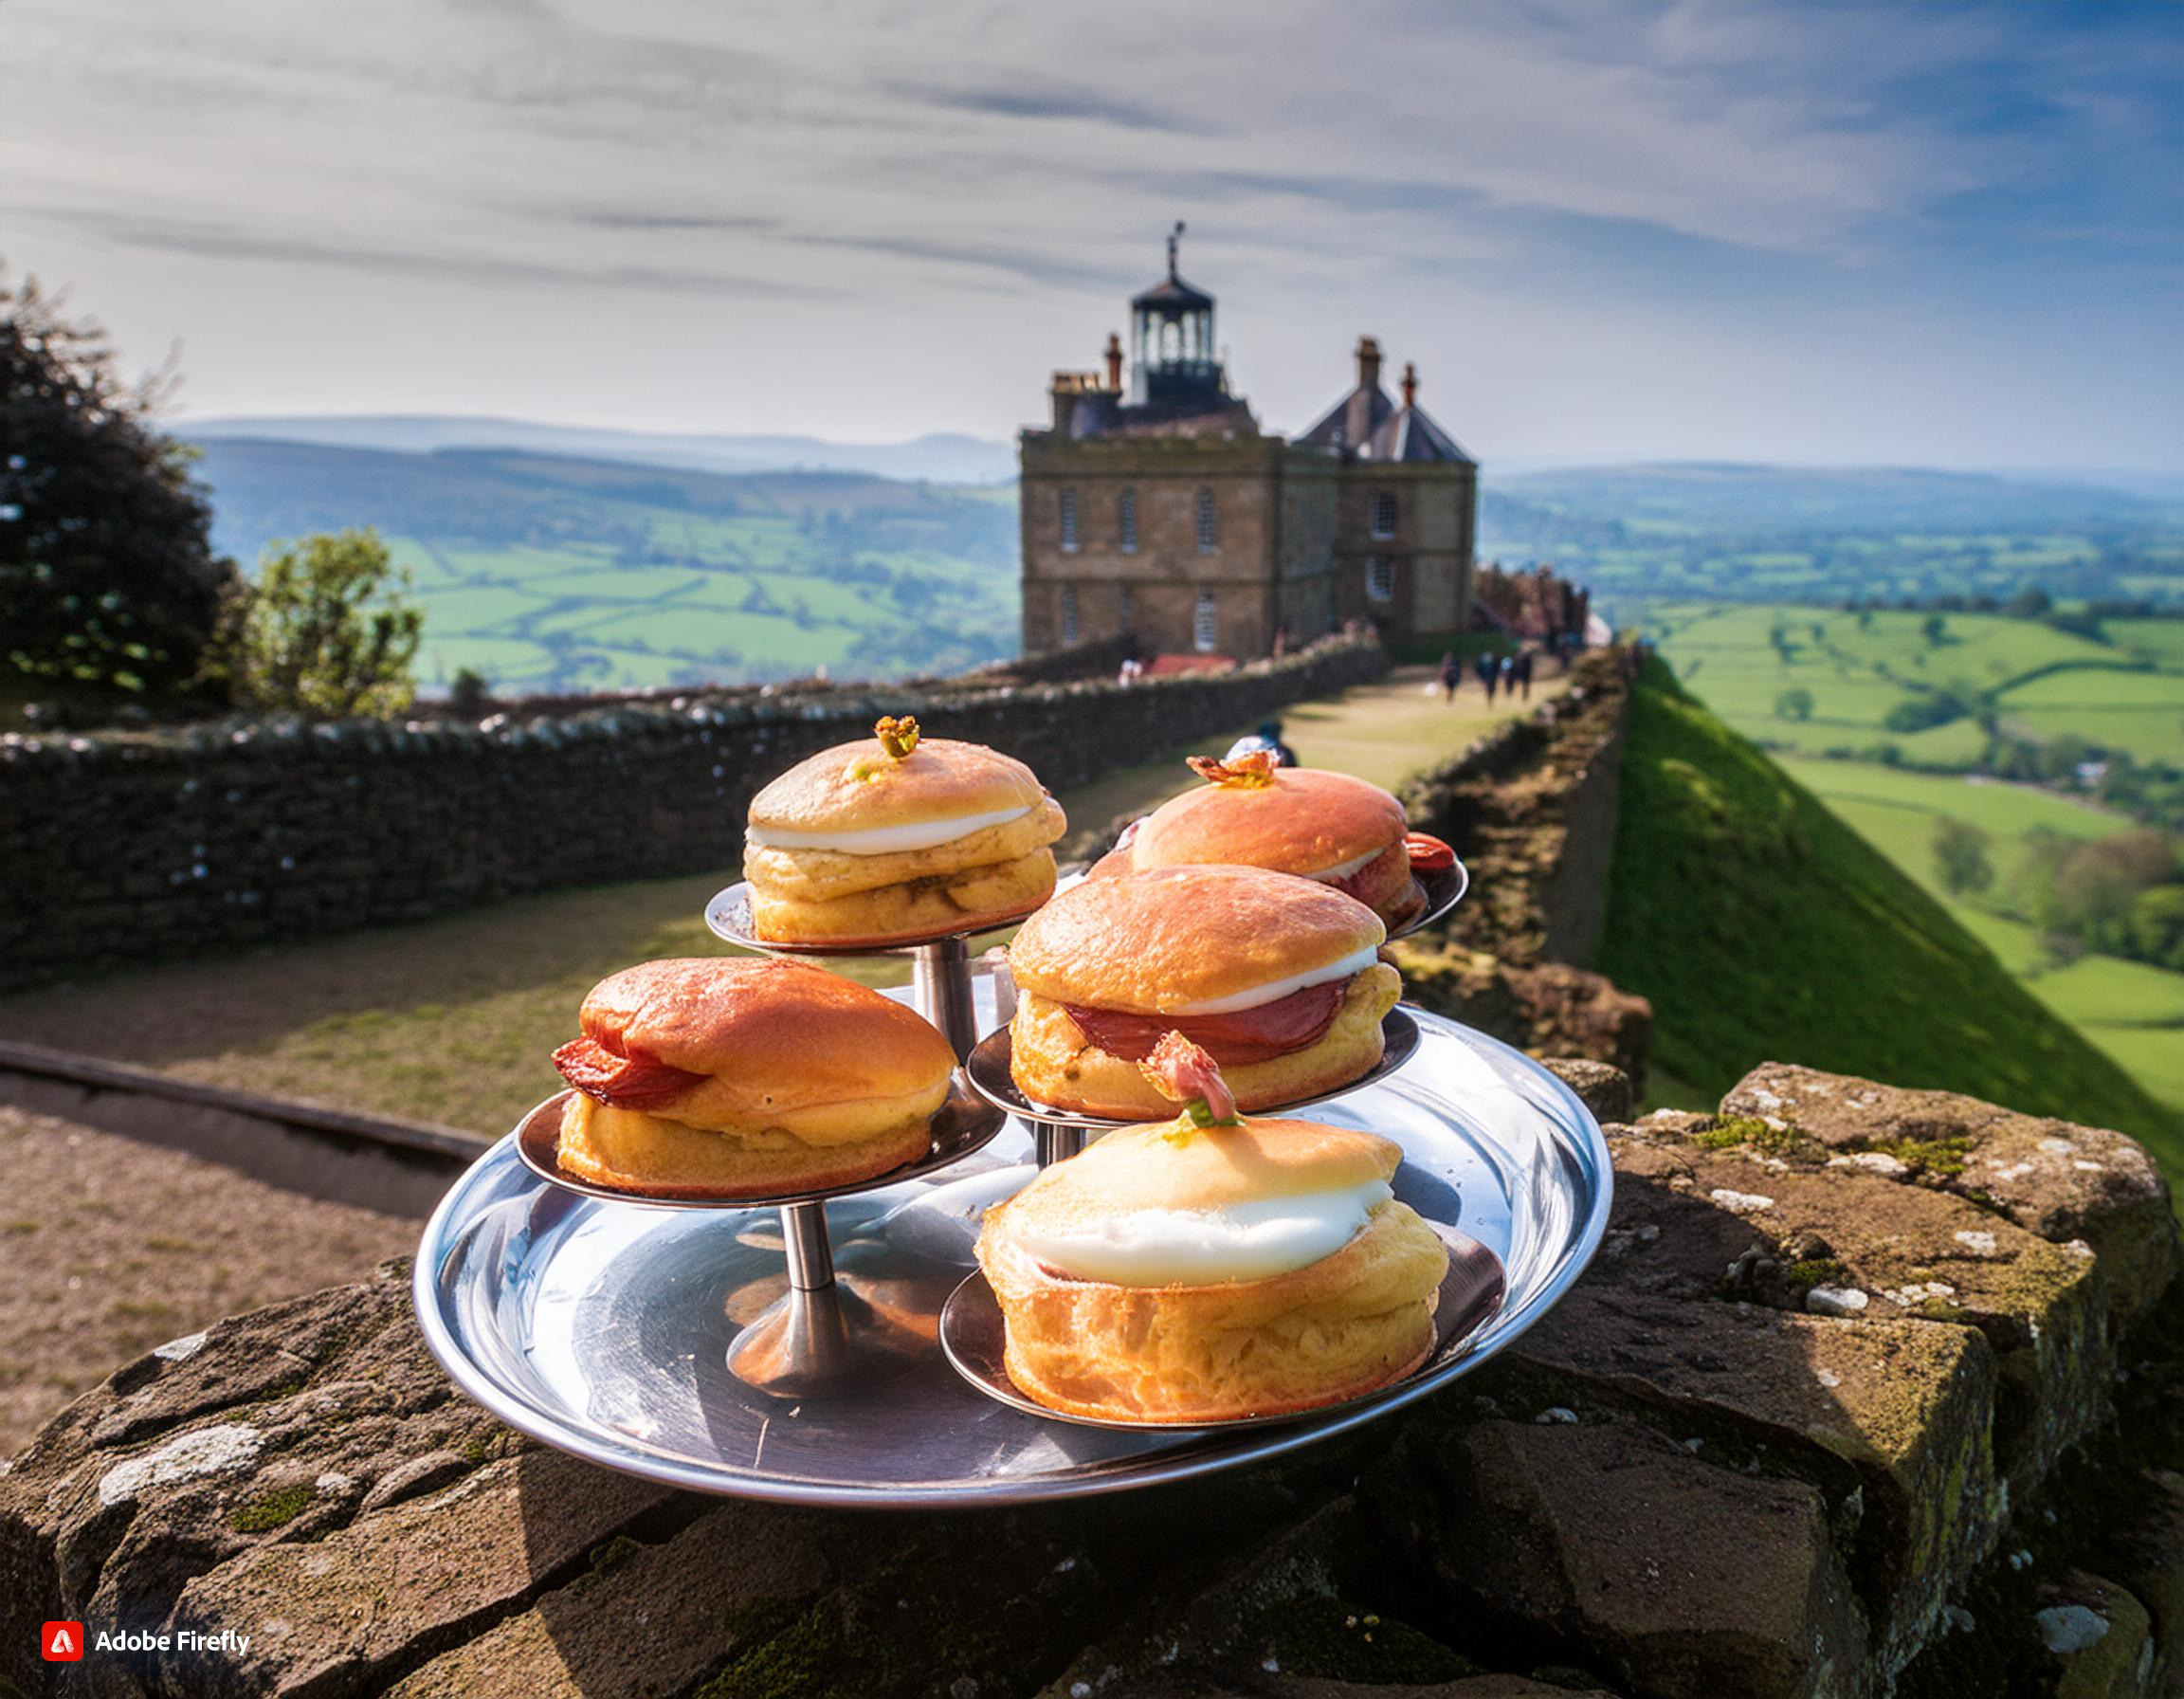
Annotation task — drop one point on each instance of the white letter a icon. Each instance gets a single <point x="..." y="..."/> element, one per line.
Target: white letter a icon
<point x="64" y="1643"/>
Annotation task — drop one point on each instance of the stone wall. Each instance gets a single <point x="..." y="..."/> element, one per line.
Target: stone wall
<point x="122" y="848"/>
<point x="1868" y="1392"/>
<point x="1531" y="807"/>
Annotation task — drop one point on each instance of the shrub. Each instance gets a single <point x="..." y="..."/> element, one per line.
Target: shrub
<point x="327" y="631"/>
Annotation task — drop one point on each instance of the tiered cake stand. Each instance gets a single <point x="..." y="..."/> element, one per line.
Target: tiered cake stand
<point x="787" y="1348"/>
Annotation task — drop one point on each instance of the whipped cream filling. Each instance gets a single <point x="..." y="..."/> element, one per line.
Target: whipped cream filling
<point x="1275" y="988"/>
<point x="882" y="840"/>
<point x="1241" y="1241"/>
<point x="1343" y="870"/>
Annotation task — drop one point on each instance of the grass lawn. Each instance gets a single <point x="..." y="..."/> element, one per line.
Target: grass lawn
<point x="1762" y="925"/>
<point x="1740" y="659"/>
<point x="452" y="1020"/>
<point x="2133" y="1012"/>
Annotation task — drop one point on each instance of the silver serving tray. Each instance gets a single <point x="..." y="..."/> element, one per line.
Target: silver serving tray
<point x="990" y="1076"/>
<point x="604" y="1327"/>
<point x="728" y="917"/>
<point x="973" y="1337"/>
<point x="1443" y="890"/>
<point x="964" y="1124"/>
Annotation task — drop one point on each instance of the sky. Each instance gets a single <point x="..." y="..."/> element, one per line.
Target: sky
<point x="1800" y="230"/>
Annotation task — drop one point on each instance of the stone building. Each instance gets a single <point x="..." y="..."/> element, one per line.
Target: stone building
<point x="1155" y="508"/>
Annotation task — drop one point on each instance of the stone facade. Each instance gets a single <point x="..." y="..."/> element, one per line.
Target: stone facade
<point x="1160" y="511"/>
<point x="1827" y="1418"/>
<point x="131" y="847"/>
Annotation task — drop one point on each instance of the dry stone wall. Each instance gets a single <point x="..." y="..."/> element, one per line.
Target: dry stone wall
<point x="116" y="848"/>
<point x="1868" y="1392"/>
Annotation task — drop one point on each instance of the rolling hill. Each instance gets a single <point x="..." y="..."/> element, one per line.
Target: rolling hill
<point x="1763" y="927"/>
<point x="1819" y="535"/>
<point x="936" y="459"/>
<point x="547" y="573"/>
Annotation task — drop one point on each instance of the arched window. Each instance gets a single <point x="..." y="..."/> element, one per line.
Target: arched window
<point x="1204" y="632"/>
<point x="1208" y="523"/>
<point x="1125" y="610"/>
<point x="1069" y="617"/>
<point x="1383" y="513"/>
<point x="1126" y="519"/>
<point x="1379" y="579"/>
<point x="1069" y="520"/>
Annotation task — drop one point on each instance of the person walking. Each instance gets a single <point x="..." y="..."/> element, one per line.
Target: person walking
<point x="1509" y="675"/>
<point x="1524" y="673"/>
<point x="1452" y="675"/>
<point x="1488" y="672"/>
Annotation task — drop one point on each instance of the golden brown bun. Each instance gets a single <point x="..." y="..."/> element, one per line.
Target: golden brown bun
<point x="650" y="1155"/>
<point x="1334" y="1329"/>
<point x="1053" y="1063"/>
<point x="855" y="786"/>
<point x="1306" y="821"/>
<point x="1147" y="942"/>
<point x="972" y="900"/>
<point x="822" y="875"/>
<point x="1147" y="1168"/>
<point x="782" y="1045"/>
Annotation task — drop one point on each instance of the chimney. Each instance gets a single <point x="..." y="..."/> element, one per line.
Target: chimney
<point x="1368" y="363"/>
<point x="1410" y="385"/>
<point x="1115" y="362"/>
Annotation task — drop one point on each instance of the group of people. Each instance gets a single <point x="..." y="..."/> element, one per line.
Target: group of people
<point x="1512" y="674"/>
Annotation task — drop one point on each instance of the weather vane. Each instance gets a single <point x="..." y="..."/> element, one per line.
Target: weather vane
<point x="1174" y="236"/>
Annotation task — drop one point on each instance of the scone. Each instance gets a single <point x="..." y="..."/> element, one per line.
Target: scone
<point x="737" y="1077"/>
<point x="899" y="838"/>
<point x="1278" y="978"/>
<point x="1204" y="1274"/>
<point x="1317" y="825"/>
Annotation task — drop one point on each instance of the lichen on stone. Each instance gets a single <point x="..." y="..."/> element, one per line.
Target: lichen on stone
<point x="275" y="1510"/>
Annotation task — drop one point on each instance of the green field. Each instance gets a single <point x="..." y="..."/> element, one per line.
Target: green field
<point x="554" y="575"/>
<point x="1756" y="533"/>
<point x="2131" y="1010"/>
<point x="1763" y="924"/>
<point x="1742" y="658"/>
<point x="2124" y="691"/>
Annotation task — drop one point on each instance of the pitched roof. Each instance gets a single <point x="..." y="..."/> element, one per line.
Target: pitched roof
<point x="1368" y="424"/>
<point x="1172" y="291"/>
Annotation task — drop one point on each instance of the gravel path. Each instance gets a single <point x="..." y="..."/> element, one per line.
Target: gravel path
<point x="109" y="1247"/>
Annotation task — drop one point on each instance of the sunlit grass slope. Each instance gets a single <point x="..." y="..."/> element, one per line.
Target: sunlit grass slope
<point x="1763" y="927"/>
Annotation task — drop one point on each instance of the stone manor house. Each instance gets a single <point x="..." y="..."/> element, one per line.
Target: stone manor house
<point x="1155" y="508"/>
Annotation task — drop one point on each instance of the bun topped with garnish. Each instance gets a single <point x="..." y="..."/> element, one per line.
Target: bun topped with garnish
<point x="1326" y="827"/>
<point x="1212" y="1268"/>
<point x="898" y="837"/>
<point x="737" y="1077"/>
<point x="1277" y="977"/>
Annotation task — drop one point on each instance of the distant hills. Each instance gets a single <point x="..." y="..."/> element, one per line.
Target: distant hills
<point x="557" y="556"/>
<point x="938" y="459"/>
<point x="1760" y="532"/>
<point x="553" y="573"/>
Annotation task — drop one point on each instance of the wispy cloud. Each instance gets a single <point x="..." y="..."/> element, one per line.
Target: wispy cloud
<point x="903" y="170"/>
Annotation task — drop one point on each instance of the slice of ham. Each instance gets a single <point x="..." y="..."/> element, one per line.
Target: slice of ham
<point x="1243" y="1036"/>
<point x="626" y="1082"/>
<point x="1373" y="873"/>
<point x="1182" y="1071"/>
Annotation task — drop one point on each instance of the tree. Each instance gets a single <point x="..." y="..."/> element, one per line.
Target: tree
<point x="1795" y="703"/>
<point x="108" y="582"/>
<point x="327" y="631"/>
<point x="1960" y="857"/>
<point x="1935" y="629"/>
<point x="469" y="693"/>
<point x="2029" y="603"/>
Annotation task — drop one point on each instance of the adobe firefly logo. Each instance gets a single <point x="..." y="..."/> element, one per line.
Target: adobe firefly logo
<point x="61" y="1642"/>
